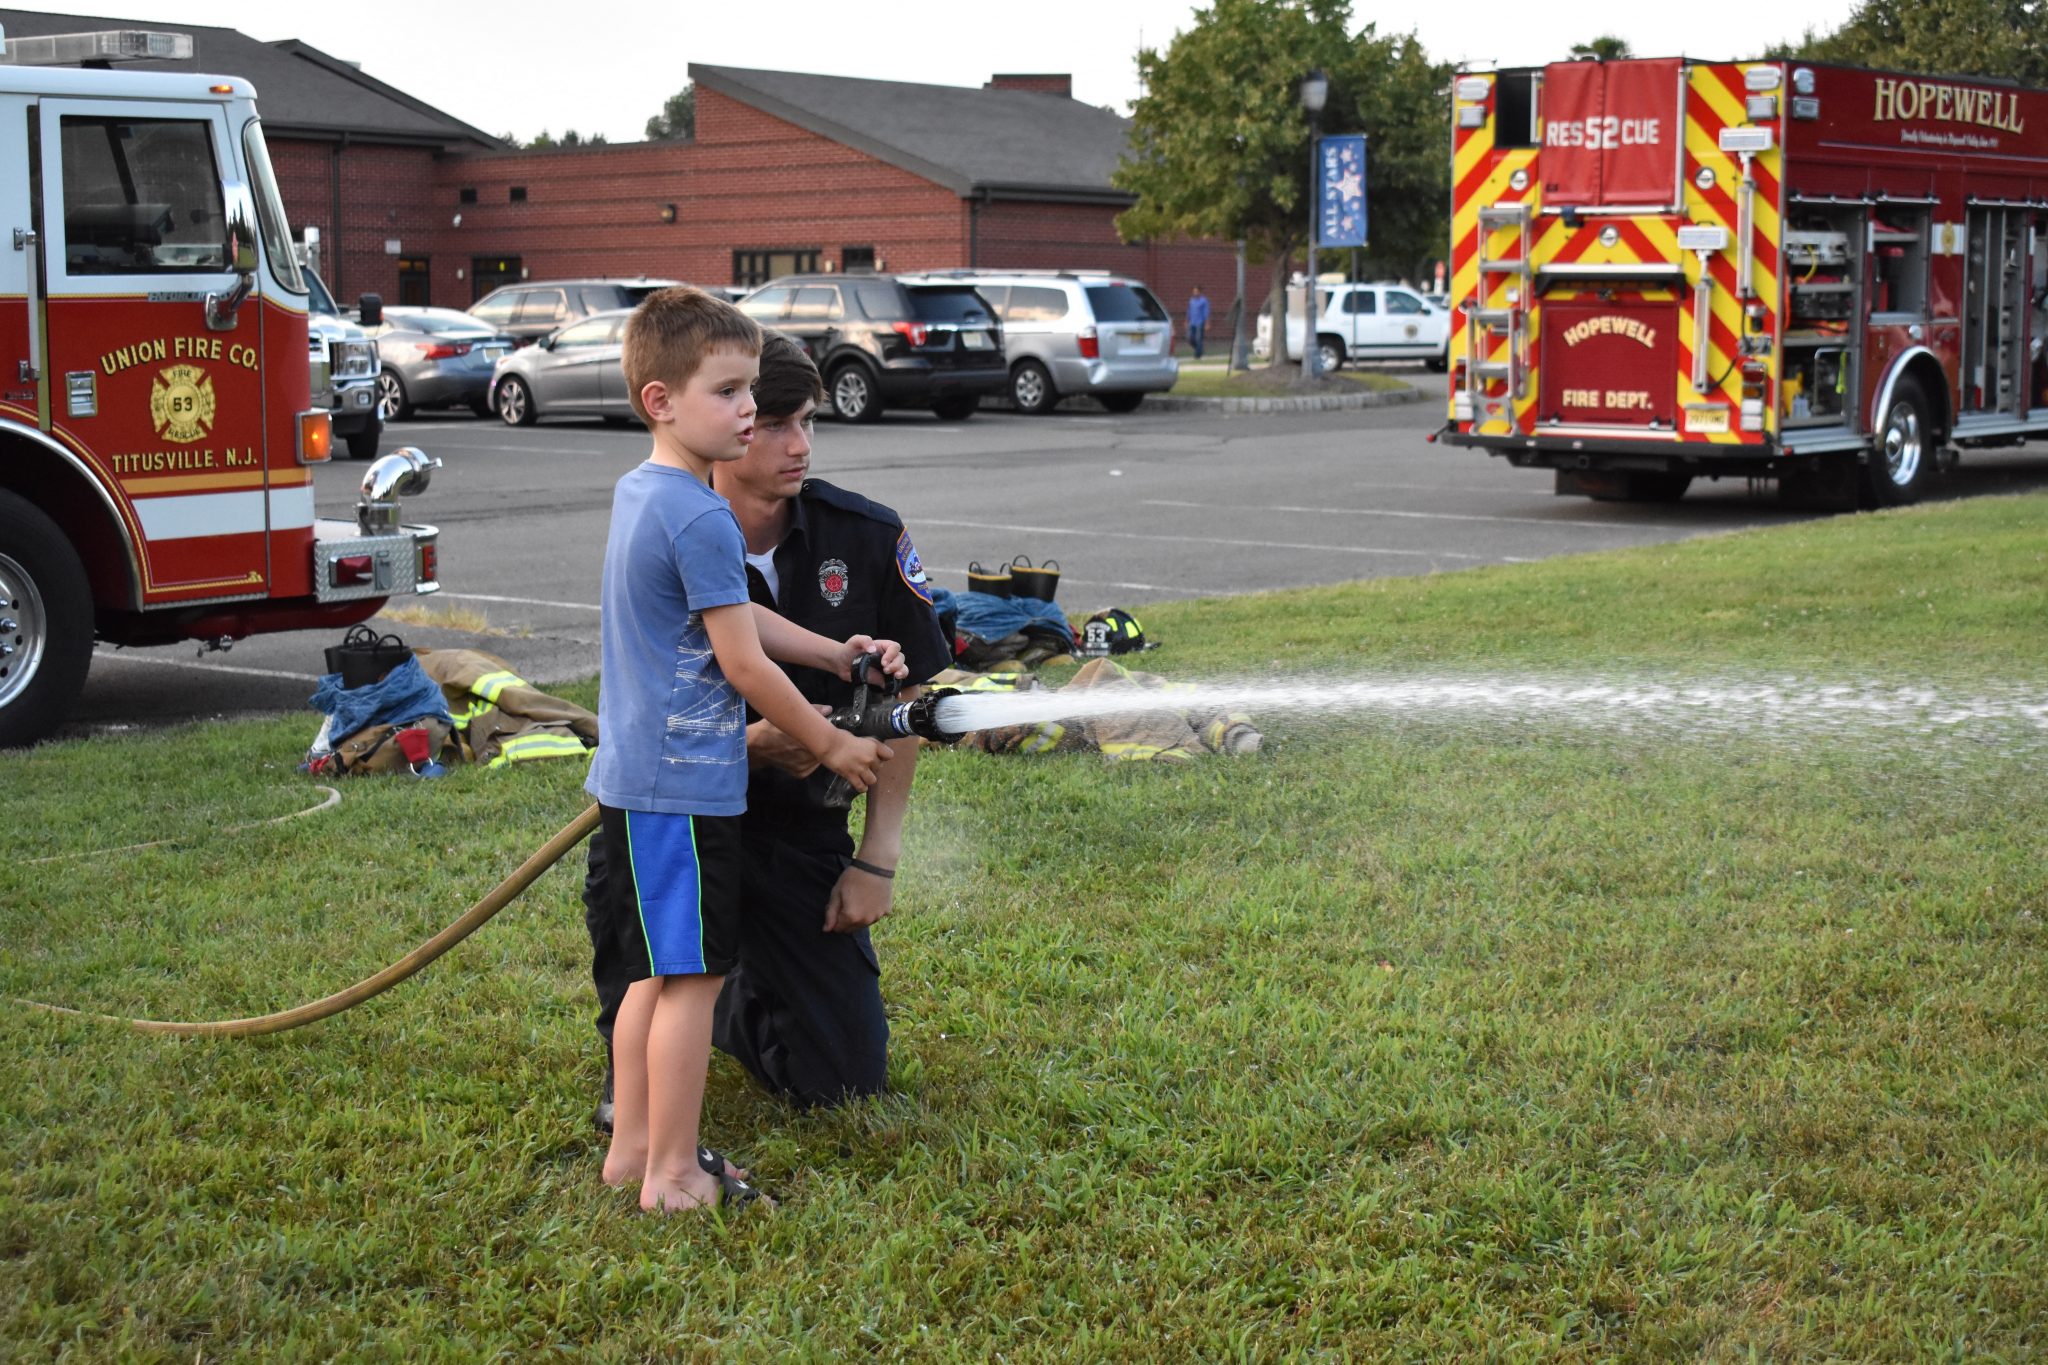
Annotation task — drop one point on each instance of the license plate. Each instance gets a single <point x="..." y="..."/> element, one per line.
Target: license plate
<point x="975" y="341"/>
<point x="1706" y="420"/>
<point x="1140" y="341"/>
<point x="493" y="352"/>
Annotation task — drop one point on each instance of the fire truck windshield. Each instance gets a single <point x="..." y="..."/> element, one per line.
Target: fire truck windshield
<point x="277" y="232"/>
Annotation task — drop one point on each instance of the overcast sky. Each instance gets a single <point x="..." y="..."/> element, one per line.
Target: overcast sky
<point x="607" y="65"/>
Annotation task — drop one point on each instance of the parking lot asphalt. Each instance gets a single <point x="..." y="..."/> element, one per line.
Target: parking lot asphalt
<point x="1136" y="508"/>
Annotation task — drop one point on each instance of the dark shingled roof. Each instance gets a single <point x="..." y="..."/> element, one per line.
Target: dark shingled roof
<point x="972" y="141"/>
<point x="301" y="90"/>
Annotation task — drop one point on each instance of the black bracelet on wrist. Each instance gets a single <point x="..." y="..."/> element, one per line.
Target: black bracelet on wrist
<point x="887" y="874"/>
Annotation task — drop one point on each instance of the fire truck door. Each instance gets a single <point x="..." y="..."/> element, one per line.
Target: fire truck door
<point x="134" y="206"/>
<point x="19" y="360"/>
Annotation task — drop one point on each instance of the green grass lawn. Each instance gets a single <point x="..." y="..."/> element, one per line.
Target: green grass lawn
<point x="1399" y="1039"/>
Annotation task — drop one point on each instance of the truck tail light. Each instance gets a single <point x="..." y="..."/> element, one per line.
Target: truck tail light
<point x="444" y="350"/>
<point x="316" y="437"/>
<point x="350" y="569"/>
<point x="1091" y="345"/>
<point x="913" y="332"/>
<point x="430" y="567"/>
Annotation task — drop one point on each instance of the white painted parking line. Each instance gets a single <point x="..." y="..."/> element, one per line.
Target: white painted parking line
<point x="520" y="450"/>
<point x="1181" y="588"/>
<point x="122" y="656"/>
<point x="1417" y="516"/>
<point x="519" y="601"/>
<point x="1203" y="540"/>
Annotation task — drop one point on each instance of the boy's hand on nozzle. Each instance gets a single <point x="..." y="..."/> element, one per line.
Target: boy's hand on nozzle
<point x="856" y="759"/>
<point x="892" y="659"/>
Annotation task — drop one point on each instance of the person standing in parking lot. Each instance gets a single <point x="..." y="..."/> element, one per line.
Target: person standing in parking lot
<point x="802" y="1010"/>
<point x="1198" y="319"/>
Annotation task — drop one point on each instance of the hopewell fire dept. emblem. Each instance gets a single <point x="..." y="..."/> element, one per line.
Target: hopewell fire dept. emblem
<point x="181" y="403"/>
<point x="832" y="581"/>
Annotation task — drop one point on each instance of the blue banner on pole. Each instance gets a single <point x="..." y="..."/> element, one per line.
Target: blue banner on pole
<point x="1340" y="191"/>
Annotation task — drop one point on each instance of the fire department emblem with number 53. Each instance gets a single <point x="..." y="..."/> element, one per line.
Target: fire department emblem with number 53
<point x="181" y="403"/>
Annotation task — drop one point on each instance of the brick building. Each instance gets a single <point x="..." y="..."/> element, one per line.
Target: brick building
<point x="787" y="171"/>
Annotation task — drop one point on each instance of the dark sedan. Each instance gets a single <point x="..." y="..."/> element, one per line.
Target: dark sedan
<point x="435" y="358"/>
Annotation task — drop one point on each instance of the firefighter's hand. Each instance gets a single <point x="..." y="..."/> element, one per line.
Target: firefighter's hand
<point x="858" y="900"/>
<point x="892" y="658"/>
<point x="768" y="747"/>
<point x="855" y="759"/>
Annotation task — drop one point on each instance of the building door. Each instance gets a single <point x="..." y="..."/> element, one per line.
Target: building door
<point x="414" y="289"/>
<point x="488" y="272"/>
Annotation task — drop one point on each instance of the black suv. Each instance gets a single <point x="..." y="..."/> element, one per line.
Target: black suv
<point x="889" y="340"/>
<point x="528" y="311"/>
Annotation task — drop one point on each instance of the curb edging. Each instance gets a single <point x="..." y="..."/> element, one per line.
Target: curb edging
<point x="1318" y="402"/>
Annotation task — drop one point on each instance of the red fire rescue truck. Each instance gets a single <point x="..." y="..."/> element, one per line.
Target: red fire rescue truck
<point x="1666" y="270"/>
<point x="157" y="436"/>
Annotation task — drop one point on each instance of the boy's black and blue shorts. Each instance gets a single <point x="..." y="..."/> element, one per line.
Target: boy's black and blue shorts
<point x="672" y="901"/>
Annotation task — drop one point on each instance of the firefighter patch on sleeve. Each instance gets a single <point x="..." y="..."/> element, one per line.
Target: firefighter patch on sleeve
<point x="912" y="568"/>
<point x="832" y="580"/>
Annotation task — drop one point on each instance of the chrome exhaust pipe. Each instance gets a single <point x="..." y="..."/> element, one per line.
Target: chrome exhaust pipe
<point x="403" y="473"/>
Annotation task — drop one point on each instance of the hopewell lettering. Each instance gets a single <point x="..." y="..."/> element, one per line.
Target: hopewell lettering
<point x="1609" y="324"/>
<point x="1953" y="103"/>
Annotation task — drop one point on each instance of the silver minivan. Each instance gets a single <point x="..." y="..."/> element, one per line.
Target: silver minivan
<point x="1080" y="332"/>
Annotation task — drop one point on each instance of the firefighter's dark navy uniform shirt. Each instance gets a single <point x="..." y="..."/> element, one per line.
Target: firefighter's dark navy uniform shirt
<point x="672" y="730"/>
<point x="847" y="567"/>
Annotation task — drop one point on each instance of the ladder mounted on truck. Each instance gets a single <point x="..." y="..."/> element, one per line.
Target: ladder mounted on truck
<point x="1487" y="323"/>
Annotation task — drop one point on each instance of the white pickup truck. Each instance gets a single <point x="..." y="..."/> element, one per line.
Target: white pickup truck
<point x="1361" y="322"/>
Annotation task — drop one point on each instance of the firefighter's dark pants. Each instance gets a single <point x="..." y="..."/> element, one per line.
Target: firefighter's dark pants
<point x="803" y="1010"/>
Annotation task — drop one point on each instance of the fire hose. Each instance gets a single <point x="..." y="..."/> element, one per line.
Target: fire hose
<point x="472" y="919"/>
<point x="872" y="713"/>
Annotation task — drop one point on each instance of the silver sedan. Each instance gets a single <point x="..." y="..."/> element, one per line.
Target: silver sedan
<point x="435" y="358"/>
<point x="571" y="372"/>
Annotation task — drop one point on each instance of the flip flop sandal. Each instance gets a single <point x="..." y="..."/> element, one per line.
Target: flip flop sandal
<point x="733" y="1192"/>
<point x="714" y="1162"/>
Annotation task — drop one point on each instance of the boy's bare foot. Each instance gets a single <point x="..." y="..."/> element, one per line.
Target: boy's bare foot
<point x="695" y="1189"/>
<point x="622" y="1167"/>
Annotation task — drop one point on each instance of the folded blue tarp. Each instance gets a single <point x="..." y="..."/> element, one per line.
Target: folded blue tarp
<point x="406" y="693"/>
<point x="993" y="617"/>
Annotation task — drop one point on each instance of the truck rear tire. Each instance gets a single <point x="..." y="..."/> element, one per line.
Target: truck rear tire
<point x="46" y="623"/>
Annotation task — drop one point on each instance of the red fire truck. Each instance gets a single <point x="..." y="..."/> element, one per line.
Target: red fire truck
<point x="1667" y="270"/>
<point x="157" y="435"/>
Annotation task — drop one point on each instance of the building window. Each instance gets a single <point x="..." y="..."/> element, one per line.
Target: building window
<point x="414" y="291"/>
<point x="857" y="260"/>
<point x="466" y="195"/>
<point x="750" y="268"/>
<point x="519" y="194"/>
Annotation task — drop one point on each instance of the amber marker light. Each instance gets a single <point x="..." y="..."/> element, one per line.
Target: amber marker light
<point x="316" y="438"/>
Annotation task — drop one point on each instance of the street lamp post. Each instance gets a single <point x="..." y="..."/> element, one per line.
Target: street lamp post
<point x="1315" y="93"/>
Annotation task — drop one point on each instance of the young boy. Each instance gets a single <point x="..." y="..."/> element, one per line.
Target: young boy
<point x="682" y="646"/>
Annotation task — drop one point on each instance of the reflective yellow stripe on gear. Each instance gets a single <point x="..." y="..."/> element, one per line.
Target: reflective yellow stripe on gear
<point x="492" y="685"/>
<point x="465" y="715"/>
<point x="1129" y="752"/>
<point x="1043" y="739"/>
<point x="520" y="748"/>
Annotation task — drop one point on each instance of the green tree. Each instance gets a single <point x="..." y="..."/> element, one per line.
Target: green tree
<point x="2007" y="38"/>
<point x="677" y="121"/>
<point x="1219" y="140"/>
<point x="1605" y="48"/>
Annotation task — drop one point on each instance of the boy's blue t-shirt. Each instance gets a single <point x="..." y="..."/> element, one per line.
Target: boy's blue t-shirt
<point x="672" y="730"/>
